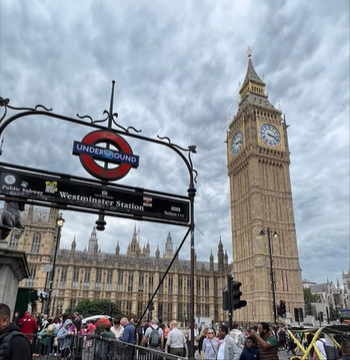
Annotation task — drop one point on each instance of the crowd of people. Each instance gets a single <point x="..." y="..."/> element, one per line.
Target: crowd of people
<point x="263" y="343"/>
<point x="44" y="336"/>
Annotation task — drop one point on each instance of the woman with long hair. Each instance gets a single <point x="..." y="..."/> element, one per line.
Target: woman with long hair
<point x="210" y="346"/>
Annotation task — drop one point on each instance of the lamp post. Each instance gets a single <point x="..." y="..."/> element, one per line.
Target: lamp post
<point x="59" y="224"/>
<point x="262" y="232"/>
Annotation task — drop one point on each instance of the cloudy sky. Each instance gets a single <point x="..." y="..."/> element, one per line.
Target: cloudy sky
<point x="177" y="67"/>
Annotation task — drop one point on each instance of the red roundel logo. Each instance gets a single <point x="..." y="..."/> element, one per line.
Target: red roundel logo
<point x="89" y="153"/>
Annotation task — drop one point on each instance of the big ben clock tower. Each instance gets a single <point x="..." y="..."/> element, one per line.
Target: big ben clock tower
<point x="261" y="206"/>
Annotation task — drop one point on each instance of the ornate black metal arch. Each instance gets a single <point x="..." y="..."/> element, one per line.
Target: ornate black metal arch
<point x="113" y="126"/>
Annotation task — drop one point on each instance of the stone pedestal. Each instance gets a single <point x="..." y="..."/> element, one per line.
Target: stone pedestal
<point x="13" y="269"/>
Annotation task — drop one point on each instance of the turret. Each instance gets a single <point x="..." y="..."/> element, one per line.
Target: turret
<point x="211" y="261"/>
<point x="117" y="249"/>
<point x="73" y="246"/>
<point x="220" y="256"/>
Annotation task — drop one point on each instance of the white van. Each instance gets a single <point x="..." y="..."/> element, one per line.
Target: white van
<point x="94" y="317"/>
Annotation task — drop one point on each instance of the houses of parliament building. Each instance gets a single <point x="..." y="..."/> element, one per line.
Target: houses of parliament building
<point x="127" y="279"/>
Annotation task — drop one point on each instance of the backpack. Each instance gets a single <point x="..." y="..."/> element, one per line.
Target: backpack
<point x="236" y="337"/>
<point x="154" y="338"/>
<point x="9" y="338"/>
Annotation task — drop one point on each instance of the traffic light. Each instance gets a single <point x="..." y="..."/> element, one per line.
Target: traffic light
<point x="236" y="293"/>
<point x="283" y="311"/>
<point x="301" y="315"/>
<point x="321" y="316"/>
<point x="296" y="314"/>
<point x="225" y="300"/>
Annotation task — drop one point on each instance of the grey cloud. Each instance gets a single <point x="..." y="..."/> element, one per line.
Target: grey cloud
<point x="177" y="69"/>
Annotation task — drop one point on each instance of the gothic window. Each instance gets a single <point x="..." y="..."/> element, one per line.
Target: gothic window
<point x="35" y="244"/>
<point x="120" y="283"/>
<point x="206" y="286"/>
<point x="160" y="290"/>
<point x="216" y="313"/>
<point x="160" y="311"/>
<point x="98" y="280"/>
<point x="75" y="279"/>
<point x="170" y="284"/>
<point x="170" y="310"/>
<point x="216" y="287"/>
<point x="72" y="303"/>
<point x="188" y="286"/>
<point x="188" y="309"/>
<point x="180" y="315"/>
<point x="63" y="278"/>
<point x="140" y="308"/>
<point x="206" y="310"/>
<point x="86" y="279"/>
<point x="150" y="284"/>
<point x="14" y="240"/>
<point x="140" y="283"/>
<point x="128" y="306"/>
<point x="30" y="281"/>
<point x="198" y="287"/>
<point x="109" y="281"/>
<point x="179" y="285"/>
<point x="130" y="281"/>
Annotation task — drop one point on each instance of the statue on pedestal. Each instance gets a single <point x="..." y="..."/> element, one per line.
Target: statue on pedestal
<point x="10" y="218"/>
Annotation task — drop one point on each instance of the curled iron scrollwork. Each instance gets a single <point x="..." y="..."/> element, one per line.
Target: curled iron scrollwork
<point x="191" y="149"/>
<point x="92" y="121"/>
<point x="5" y="104"/>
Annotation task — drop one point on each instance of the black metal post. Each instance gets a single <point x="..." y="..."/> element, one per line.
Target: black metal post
<point x="191" y="194"/>
<point x="272" y="278"/>
<point x="229" y="287"/>
<point x="59" y="223"/>
<point x="42" y="306"/>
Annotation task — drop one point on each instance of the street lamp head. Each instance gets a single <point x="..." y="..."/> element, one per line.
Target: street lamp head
<point x="60" y="220"/>
<point x="275" y="235"/>
<point x="262" y="232"/>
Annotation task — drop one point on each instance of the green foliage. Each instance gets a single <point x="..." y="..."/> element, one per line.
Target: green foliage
<point x="308" y="299"/>
<point x="97" y="307"/>
<point x="69" y="312"/>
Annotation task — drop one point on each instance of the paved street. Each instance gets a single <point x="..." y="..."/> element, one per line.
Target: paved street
<point x="282" y="354"/>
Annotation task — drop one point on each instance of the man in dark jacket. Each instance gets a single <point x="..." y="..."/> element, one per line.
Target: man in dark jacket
<point x="13" y="344"/>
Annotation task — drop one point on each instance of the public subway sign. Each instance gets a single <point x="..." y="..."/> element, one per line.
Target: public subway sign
<point x="89" y="153"/>
<point x="73" y="192"/>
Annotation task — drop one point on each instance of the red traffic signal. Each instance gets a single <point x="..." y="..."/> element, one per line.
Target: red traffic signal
<point x="282" y="308"/>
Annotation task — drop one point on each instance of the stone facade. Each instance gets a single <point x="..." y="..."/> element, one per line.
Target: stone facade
<point x="128" y="279"/>
<point x="346" y="289"/>
<point x="331" y="294"/>
<point x="261" y="199"/>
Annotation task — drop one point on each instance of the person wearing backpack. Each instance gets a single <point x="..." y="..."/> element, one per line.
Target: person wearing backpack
<point x="154" y="336"/>
<point x="13" y="344"/>
<point x="237" y="336"/>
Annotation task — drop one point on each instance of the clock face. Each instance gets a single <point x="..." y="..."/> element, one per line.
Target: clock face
<point x="236" y="143"/>
<point x="270" y="135"/>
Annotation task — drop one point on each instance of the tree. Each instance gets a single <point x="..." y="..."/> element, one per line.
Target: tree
<point x="96" y="307"/>
<point x="308" y="299"/>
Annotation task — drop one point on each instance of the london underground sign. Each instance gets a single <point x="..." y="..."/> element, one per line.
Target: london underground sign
<point x="89" y="153"/>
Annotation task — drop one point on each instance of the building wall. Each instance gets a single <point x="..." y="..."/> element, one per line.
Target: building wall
<point x="128" y="279"/>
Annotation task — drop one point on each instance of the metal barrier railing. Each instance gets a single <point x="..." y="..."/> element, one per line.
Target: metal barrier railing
<point x="94" y="347"/>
